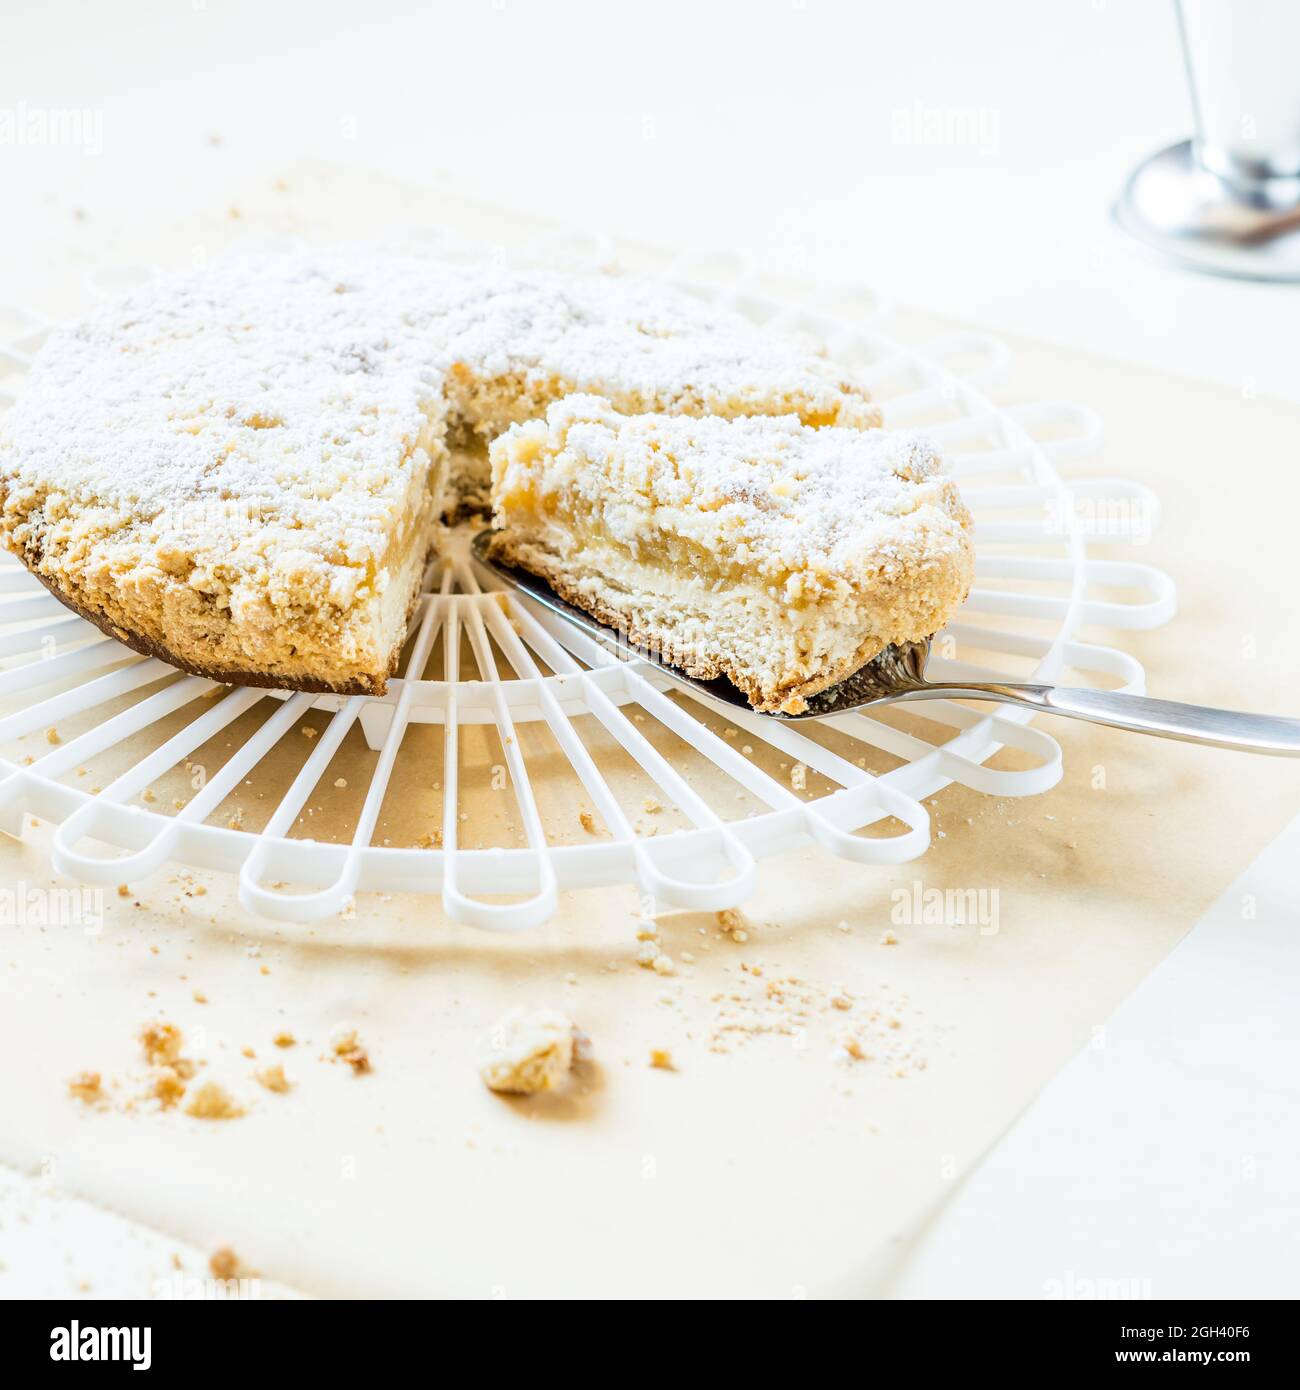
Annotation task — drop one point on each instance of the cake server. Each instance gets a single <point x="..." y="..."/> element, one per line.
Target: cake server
<point x="898" y="674"/>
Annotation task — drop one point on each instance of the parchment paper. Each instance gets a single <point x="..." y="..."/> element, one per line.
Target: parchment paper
<point x="766" y="1164"/>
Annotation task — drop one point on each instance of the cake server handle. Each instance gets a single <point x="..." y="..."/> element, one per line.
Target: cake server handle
<point x="1274" y="735"/>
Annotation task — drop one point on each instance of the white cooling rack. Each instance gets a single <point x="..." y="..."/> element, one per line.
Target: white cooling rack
<point x="483" y="658"/>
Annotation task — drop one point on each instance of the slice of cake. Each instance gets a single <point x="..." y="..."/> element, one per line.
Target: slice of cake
<point x="239" y="471"/>
<point x="782" y="556"/>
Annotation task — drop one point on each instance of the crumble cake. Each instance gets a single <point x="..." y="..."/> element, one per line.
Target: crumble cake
<point x="241" y="469"/>
<point x="779" y="555"/>
<point x="237" y="470"/>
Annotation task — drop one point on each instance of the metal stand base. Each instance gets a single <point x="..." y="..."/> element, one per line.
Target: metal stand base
<point x="1177" y="207"/>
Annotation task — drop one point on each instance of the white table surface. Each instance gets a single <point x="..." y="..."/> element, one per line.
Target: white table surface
<point x="785" y="129"/>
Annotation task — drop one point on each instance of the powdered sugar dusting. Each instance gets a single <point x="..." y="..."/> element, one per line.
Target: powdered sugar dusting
<point x="805" y="507"/>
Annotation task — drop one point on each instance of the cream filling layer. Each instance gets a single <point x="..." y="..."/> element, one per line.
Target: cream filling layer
<point x="709" y="626"/>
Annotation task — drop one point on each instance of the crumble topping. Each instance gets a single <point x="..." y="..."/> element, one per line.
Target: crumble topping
<point x="811" y="512"/>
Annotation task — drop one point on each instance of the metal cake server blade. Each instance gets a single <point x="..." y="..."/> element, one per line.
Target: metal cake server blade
<point x="898" y="674"/>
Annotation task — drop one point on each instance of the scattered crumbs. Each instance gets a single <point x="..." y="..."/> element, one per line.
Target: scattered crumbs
<point x="340" y="782"/>
<point x="123" y="891"/>
<point x="728" y="733"/>
<point x="661" y="1059"/>
<point x="247" y="1051"/>
<point x="273" y="1078"/>
<point x="200" y="997"/>
<point x="663" y="964"/>
<point x="148" y="795"/>
<point x="223" y="1263"/>
<point x="887" y="938"/>
<point x="854" y="1026"/>
<point x="799" y="777"/>
<point x="747" y="749"/>
<point x="236" y="821"/>
<point x="52" y="735"/>
<point x="647" y="930"/>
<point x="87" y="1087"/>
<point x="212" y="1101"/>
<point x="652" y="806"/>
<point x="308" y="732"/>
<point x="346" y="1046"/>
<point x="529" y="1051"/>
<point x="284" y="1039"/>
<point x="431" y="840"/>
<point x="585" y="820"/>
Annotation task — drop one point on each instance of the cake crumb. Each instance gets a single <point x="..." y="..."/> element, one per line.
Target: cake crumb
<point x="585" y="820"/>
<point x="799" y="777"/>
<point x="123" y="891"/>
<point x="52" y="735"/>
<point x="340" y="782"/>
<point x="431" y="840"/>
<point x="661" y="1059"/>
<point x="166" y="1086"/>
<point x="284" y="1039"/>
<point x="87" y="1087"/>
<point x="652" y="806"/>
<point x="529" y="1051"/>
<point x="273" y="1078"/>
<point x="161" y="1043"/>
<point x="236" y="820"/>
<point x="308" y="732"/>
<point x="887" y="938"/>
<point x="223" y="1263"/>
<point x="212" y="1101"/>
<point x="734" y="924"/>
<point x="346" y="1047"/>
<point x="200" y="997"/>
